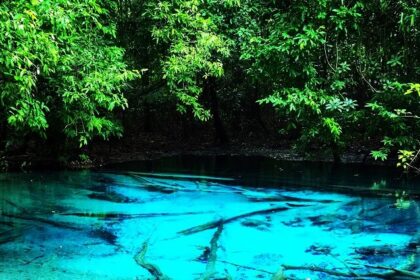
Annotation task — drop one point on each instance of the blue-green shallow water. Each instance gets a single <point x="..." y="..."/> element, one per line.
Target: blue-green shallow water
<point x="91" y="224"/>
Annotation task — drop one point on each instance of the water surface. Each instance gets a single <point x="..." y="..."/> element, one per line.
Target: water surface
<point x="257" y="214"/>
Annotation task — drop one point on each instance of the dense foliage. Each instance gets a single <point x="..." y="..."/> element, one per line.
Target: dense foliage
<point x="336" y="73"/>
<point x="58" y="69"/>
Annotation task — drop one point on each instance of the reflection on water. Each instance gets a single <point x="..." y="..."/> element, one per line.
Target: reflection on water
<point x="220" y="218"/>
<point x="259" y="171"/>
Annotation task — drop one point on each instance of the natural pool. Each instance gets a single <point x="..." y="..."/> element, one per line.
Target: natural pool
<point x="210" y="218"/>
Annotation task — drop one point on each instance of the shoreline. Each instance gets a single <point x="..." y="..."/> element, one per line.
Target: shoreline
<point x="35" y="162"/>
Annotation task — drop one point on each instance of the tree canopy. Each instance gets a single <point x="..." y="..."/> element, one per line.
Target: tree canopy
<point x="324" y="73"/>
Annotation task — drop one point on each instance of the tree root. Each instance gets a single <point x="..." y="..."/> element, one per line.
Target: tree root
<point x="216" y="223"/>
<point x="151" y="268"/>
<point x="211" y="262"/>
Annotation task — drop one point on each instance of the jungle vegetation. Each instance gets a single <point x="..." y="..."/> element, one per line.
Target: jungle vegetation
<point x="323" y="74"/>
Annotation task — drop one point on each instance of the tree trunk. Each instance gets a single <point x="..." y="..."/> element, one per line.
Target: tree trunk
<point x="210" y="90"/>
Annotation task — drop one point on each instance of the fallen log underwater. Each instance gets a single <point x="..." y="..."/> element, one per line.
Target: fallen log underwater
<point x="214" y="224"/>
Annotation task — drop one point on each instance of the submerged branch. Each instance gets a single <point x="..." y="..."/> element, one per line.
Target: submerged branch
<point x="317" y="269"/>
<point x="275" y="275"/>
<point x="154" y="270"/>
<point x="214" y="224"/>
<point x="211" y="262"/>
<point x="247" y="267"/>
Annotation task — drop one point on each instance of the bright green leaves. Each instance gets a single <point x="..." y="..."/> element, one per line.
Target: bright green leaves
<point x="379" y="155"/>
<point x="307" y="88"/>
<point x="331" y="70"/>
<point x="93" y="92"/>
<point x="310" y="109"/>
<point x="333" y="127"/>
<point x="340" y="105"/>
<point x="396" y="109"/>
<point x="404" y="158"/>
<point x="58" y="64"/>
<point x="409" y="16"/>
<point x="381" y="110"/>
<point x="309" y="38"/>
<point x="27" y="53"/>
<point x="29" y="113"/>
<point x="345" y="17"/>
<point x="414" y="88"/>
<point x="195" y="50"/>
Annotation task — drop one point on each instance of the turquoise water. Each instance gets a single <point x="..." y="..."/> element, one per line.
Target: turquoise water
<point x="93" y="224"/>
